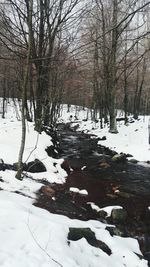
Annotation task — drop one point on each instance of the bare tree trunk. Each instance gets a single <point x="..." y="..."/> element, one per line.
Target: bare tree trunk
<point x="113" y="69"/>
<point x="24" y="88"/>
<point x="125" y="82"/>
<point x="4" y="97"/>
<point x="139" y="93"/>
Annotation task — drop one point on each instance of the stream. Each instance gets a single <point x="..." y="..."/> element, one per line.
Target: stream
<point x="90" y="167"/>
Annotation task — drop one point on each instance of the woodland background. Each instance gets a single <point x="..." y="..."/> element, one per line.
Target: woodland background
<point x="87" y="53"/>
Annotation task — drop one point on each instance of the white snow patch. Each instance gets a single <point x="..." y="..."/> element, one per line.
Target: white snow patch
<point x="83" y="192"/>
<point x="74" y="189"/>
<point x="77" y="190"/>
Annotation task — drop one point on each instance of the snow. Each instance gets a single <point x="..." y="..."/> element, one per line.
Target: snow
<point x="83" y="192"/>
<point x="74" y="189"/>
<point x="77" y="190"/>
<point x="28" y="187"/>
<point x="84" y="167"/>
<point x="132" y="139"/>
<point x="10" y="139"/>
<point x="33" y="237"/>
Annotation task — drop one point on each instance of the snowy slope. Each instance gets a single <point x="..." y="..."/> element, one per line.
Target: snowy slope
<point x="10" y="139"/>
<point x="32" y="237"/>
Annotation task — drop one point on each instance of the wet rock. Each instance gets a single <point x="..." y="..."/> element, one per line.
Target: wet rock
<point x="147" y="257"/>
<point x="118" y="215"/>
<point x="133" y="161"/>
<point x="139" y="255"/>
<point x="76" y="127"/>
<point x="78" y="233"/>
<point x="1" y="161"/>
<point x="51" y="151"/>
<point x="104" y="247"/>
<point x="66" y="167"/>
<point x="128" y="155"/>
<point x="104" y="165"/>
<point x="2" y="165"/>
<point x="112" y="196"/>
<point x="123" y="194"/>
<point x="119" y="158"/>
<point x="102" y="214"/>
<point x="110" y="229"/>
<point x="48" y="191"/>
<point x="114" y="231"/>
<point x="35" y="166"/>
<point x="102" y="138"/>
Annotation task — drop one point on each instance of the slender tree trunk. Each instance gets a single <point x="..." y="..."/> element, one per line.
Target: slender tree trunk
<point x="125" y="84"/>
<point x="125" y="99"/>
<point x="4" y="97"/>
<point x="24" y="88"/>
<point x="135" y="111"/>
<point x="113" y="70"/>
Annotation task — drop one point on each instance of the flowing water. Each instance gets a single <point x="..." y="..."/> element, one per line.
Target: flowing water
<point x="85" y="157"/>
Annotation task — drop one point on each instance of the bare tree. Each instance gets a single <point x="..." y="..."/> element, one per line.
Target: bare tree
<point x="114" y="30"/>
<point x="49" y="18"/>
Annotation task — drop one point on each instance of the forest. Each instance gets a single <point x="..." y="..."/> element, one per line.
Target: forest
<point x="89" y="53"/>
<point x="75" y="133"/>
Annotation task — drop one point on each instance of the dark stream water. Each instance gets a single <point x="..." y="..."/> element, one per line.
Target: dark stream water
<point x="82" y="150"/>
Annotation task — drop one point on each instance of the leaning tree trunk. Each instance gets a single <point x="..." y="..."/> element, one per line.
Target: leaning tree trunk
<point x="24" y="88"/>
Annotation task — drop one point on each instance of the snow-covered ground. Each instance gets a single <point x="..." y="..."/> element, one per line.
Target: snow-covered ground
<point x="131" y="139"/>
<point x="10" y="139"/>
<point x="33" y="237"/>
